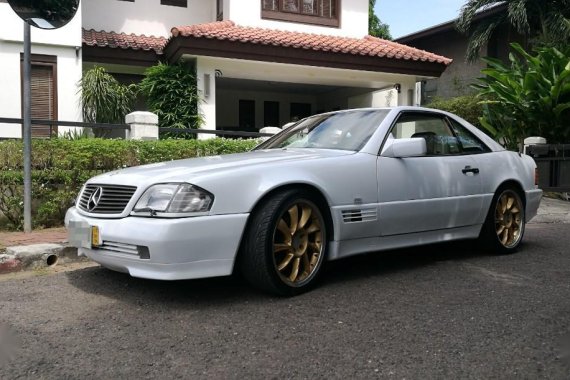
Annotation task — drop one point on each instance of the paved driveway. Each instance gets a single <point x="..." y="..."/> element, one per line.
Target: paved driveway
<point x="449" y="311"/>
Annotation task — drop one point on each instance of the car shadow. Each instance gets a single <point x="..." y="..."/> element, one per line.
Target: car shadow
<point x="203" y="292"/>
<point x="405" y="259"/>
<point x="234" y="289"/>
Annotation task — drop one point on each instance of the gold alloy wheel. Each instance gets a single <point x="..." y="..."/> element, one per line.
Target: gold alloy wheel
<point x="509" y="219"/>
<point x="298" y="243"/>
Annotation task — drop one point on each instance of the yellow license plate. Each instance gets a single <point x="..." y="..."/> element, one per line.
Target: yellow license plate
<point x="95" y="236"/>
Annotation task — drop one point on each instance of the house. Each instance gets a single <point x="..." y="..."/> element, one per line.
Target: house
<point x="258" y="62"/>
<point x="446" y="40"/>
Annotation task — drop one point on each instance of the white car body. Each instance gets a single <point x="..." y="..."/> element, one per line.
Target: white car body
<point x="376" y="202"/>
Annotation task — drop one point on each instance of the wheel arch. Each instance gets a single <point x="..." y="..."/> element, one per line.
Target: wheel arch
<point x="512" y="183"/>
<point x="315" y="192"/>
<point x="319" y="196"/>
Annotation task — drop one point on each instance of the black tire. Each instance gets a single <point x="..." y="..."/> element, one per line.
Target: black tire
<point x="504" y="227"/>
<point x="285" y="245"/>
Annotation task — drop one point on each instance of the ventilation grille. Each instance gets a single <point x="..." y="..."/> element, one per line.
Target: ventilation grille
<point x="105" y="199"/>
<point x="120" y="247"/>
<point x="364" y="215"/>
<point x="127" y="249"/>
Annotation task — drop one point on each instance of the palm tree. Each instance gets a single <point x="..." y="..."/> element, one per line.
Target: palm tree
<point x="544" y="22"/>
<point x="104" y="99"/>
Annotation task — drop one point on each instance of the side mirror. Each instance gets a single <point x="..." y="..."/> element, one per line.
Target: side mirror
<point x="45" y="14"/>
<point x="399" y="148"/>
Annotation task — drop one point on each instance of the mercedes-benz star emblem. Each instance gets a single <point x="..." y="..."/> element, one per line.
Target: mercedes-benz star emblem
<point x="94" y="199"/>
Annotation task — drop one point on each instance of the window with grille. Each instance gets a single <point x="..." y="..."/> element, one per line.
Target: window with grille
<point x="322" y="12"/>
<point x="43" y="93"/>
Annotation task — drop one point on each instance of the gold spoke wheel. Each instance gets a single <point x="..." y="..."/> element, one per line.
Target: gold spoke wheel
<point x="285" y="244"/>
<point x="509" y="223"/>
<point x="298" y="243"/>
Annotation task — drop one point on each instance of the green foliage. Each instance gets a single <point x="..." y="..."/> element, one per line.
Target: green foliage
<point x="172" y="93"/>
<point x="376" y="27"/>
<point x="546" y="23"/>
<point x="74" y="134"/>
<point x="530" y="97"/>
<point x="103" y="99"/>
<point x="468" y="107"/>
<point x="61" y="166"/>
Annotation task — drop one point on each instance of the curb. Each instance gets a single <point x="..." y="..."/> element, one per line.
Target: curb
<point x="36" y="256"/>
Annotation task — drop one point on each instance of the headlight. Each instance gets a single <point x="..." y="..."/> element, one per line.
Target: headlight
<point x="174" y="200"/>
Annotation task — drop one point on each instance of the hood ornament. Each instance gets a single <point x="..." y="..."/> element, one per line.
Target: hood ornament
<point x="94" y="199"/>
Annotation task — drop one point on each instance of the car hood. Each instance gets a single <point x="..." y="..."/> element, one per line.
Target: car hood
<point x="188" y="169"/>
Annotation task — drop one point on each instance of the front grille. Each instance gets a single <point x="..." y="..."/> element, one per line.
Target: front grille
<point x="108" y="199"/>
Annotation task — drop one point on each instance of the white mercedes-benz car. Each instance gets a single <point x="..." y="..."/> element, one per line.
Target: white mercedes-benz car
<point x="331" y="186"/>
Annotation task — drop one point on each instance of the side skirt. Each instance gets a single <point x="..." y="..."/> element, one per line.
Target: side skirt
<point x="345" y="248"/>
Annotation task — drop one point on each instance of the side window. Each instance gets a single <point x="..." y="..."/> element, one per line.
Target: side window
<point x="467" y="140"/>
<point x="440" y="140"/>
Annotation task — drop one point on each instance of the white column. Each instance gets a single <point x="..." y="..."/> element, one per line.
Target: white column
<point x="206" y="78"/>
<point x="533" y="140"/>
<point x="143" y="126"/>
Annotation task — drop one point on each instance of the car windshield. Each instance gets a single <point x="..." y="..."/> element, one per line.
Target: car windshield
<point x="344" y="130"/>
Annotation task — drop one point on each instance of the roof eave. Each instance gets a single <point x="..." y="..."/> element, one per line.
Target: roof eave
<point x="201" y="46"/>
<point x="120" y="56"/>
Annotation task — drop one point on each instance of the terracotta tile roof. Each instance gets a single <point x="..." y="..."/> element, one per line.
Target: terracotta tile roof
<point x="123" y="41"/>
<point x="367" y="46"/>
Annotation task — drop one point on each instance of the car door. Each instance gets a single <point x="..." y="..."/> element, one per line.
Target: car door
<point x="438" y="191"/>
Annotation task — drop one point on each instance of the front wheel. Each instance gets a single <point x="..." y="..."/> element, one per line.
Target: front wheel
<point x="285" y="244"/>
<point x="505" y="224"/>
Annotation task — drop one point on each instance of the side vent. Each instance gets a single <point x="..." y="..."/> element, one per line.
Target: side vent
<point x="359" y="215"/>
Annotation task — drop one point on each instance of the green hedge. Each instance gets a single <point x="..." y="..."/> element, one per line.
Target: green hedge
<point x="468" y="107"/>
<point x="60" y="167"/>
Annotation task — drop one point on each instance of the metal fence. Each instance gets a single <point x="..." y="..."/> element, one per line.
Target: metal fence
<point x="179" y="132"/>
<point x="553" y="162"/>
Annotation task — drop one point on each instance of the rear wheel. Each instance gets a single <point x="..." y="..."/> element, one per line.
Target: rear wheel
<point x="285" y="244"/>
<point x="505" y="224"/>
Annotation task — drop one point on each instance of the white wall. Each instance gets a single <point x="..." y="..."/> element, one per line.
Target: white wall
<point x="149" y="17"/>
<point x="68" y="74"/>
<point x="146" y="17"/>
<point x="353" y="22"/>
<point x="406" y="96"/>
<point x="60" y="43"/>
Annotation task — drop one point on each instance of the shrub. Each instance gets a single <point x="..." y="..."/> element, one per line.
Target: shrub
<point x="104" y="99"/>
<point x="528" y="97"/>
<point x="468" y="107"/>
<point x="171" y="92"/>
<point x="61" y="166"/>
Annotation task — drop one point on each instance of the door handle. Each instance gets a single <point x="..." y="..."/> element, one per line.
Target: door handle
<point x="469" y="169"/>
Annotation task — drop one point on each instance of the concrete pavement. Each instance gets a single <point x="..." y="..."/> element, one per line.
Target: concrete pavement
<point x="46" y="248"/>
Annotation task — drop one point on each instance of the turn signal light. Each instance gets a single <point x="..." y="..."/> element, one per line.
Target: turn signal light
<point x="536" y="176"/>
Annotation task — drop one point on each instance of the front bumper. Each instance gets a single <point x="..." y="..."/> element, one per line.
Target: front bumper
<point x="162" y="249"/>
